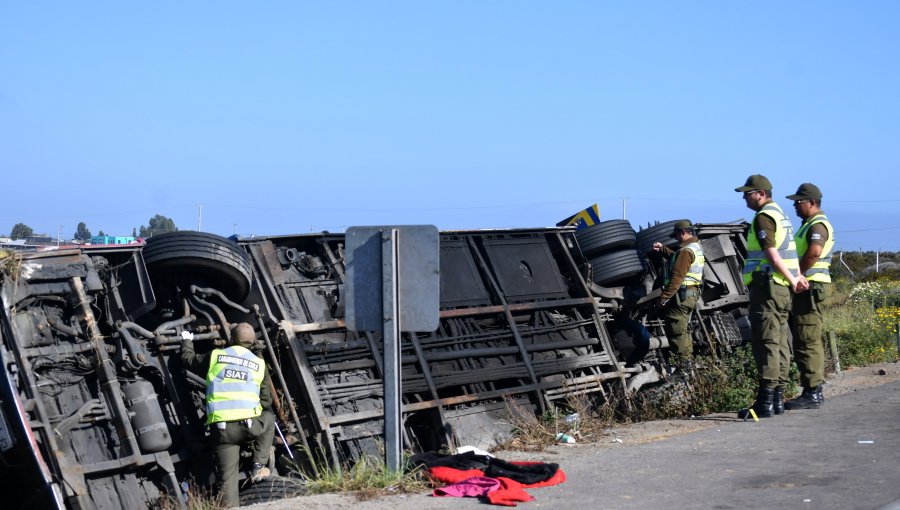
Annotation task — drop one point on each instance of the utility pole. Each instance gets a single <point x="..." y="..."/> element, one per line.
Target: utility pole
<point x="58" y="230"/>
<point x="234" y="226"/>
<point x="199" y="217"/>
<point x="845" y="264"/>
<point x="624" y="201"/>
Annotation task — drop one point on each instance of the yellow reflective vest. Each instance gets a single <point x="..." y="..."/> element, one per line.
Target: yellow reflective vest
<point x="784" y="243"/>
<point x="821" y="270"/>
<point x="232" y="384"/>
<point x="694" y="276"/>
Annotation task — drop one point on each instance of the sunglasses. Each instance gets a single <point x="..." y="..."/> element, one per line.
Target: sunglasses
<point x="750" y="192"/>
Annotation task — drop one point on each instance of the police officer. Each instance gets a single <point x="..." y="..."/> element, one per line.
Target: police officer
<point x="683" y="285"/>
<point x="771" y="272"/>
<point x="815" y="240"/>
<point x="238" y="405"/>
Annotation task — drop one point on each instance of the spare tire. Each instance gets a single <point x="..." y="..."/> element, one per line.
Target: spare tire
<point x="197" y="258"/>
<point x="605" y="236"/>
<point x="661" y="232"/>
<point x="616" y="267"/>
<point x="273" y="488"/>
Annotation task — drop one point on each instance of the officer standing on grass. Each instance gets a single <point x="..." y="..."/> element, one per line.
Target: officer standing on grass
<point x="681" y="290"/>
<point x="238" y="405"/>
<point x="771" y="272"/>
<point x="815" y="240"/>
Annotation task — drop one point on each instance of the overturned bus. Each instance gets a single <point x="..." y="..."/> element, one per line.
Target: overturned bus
<point x="97" y="411"/>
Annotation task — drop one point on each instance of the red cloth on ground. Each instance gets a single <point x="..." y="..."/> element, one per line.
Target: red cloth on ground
<point x="453" y="475"/>
<point x="511" y="491"/>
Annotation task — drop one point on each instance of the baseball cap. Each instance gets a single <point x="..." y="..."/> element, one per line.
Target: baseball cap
<point x="681" y="224"/>
<point x="755" y="182"/>
<point x="806" y="191"/>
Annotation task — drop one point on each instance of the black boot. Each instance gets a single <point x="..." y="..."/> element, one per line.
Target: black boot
<point x="778" y="400"/>
<point x="811" y="398"/>
<point x="763" y="407"/>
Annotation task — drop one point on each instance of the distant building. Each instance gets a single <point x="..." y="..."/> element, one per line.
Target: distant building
<point x="112" y="240"/>
<point x="15" y="245"/>
<point x="41" y="240"/>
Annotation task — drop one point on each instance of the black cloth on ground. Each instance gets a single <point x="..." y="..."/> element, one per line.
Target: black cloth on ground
<point x="493" y="467"/>
<point x="468" y="460"/>
<point x="527" y="474"/>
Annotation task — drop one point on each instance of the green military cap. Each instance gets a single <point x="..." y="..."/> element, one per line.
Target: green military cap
<point x="806" y="191"/>
<point x="756" y="182"/>
<point x="683" y="224"/>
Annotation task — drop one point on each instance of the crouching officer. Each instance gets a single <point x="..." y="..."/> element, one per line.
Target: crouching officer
<point x="815" y="241"/>
<point x="238" y="405"/>
<point x="683" y="286"/>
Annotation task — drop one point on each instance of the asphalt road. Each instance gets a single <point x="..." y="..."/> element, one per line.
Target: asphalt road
<point x="842" y="456"/>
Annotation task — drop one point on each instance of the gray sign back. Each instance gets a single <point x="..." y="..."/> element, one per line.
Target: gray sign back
<point x="418" y="271"/>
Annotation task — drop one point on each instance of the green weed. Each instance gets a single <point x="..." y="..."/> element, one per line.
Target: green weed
<point x="710" y="388"/>
<point x="368" y="478"/>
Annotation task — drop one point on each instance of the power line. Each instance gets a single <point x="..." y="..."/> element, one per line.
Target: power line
<point x="576" y="202"/>
<point x="863" y="201"/>
<point x="868" y="230"/>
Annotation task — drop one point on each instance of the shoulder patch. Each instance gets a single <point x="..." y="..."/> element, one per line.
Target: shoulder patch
<point x="815" y="237"/>
<point x="761" y="234"/>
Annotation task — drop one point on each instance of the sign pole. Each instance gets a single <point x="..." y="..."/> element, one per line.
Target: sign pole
<point x="393" y="415"/>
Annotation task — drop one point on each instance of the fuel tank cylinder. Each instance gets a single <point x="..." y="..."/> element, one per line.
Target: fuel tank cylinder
<point x="147" y="417"/>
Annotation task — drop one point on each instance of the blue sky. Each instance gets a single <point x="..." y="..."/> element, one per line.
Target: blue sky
<point x="291" y="117"/>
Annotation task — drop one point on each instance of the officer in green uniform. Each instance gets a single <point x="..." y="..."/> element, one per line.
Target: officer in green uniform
<point x="771" y="272"/>
<point x="681" y="290"/>
<point x="238" y="405"/>
<point x="815" y="241"/>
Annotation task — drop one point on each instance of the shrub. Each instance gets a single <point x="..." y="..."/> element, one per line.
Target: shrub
<point x="864" y="325"/>
<point x="713" y="387"/>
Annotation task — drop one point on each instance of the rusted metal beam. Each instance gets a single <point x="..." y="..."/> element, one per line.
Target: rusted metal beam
<point x="466" y="399"/>
<point x="516" y="307"/>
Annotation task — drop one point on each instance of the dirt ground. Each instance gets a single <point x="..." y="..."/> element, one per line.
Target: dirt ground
<point x="847" y="381"/>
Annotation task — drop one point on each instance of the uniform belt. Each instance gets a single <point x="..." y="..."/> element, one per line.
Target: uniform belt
<point x="222" y="424"/>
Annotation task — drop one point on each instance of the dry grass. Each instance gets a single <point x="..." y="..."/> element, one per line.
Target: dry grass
<point x="583" y="417"/>
<point x="9" y="265"/>
<point x="198" y="498"/>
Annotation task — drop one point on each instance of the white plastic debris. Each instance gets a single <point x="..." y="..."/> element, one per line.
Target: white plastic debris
<point x="866" y="442"/>
<point x="565" y="438"/>
<point x="473" y="449"/>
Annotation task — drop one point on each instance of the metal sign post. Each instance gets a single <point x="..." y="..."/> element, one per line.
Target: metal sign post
<point x="393" y="284"/>
<point x="390" y="261"/>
